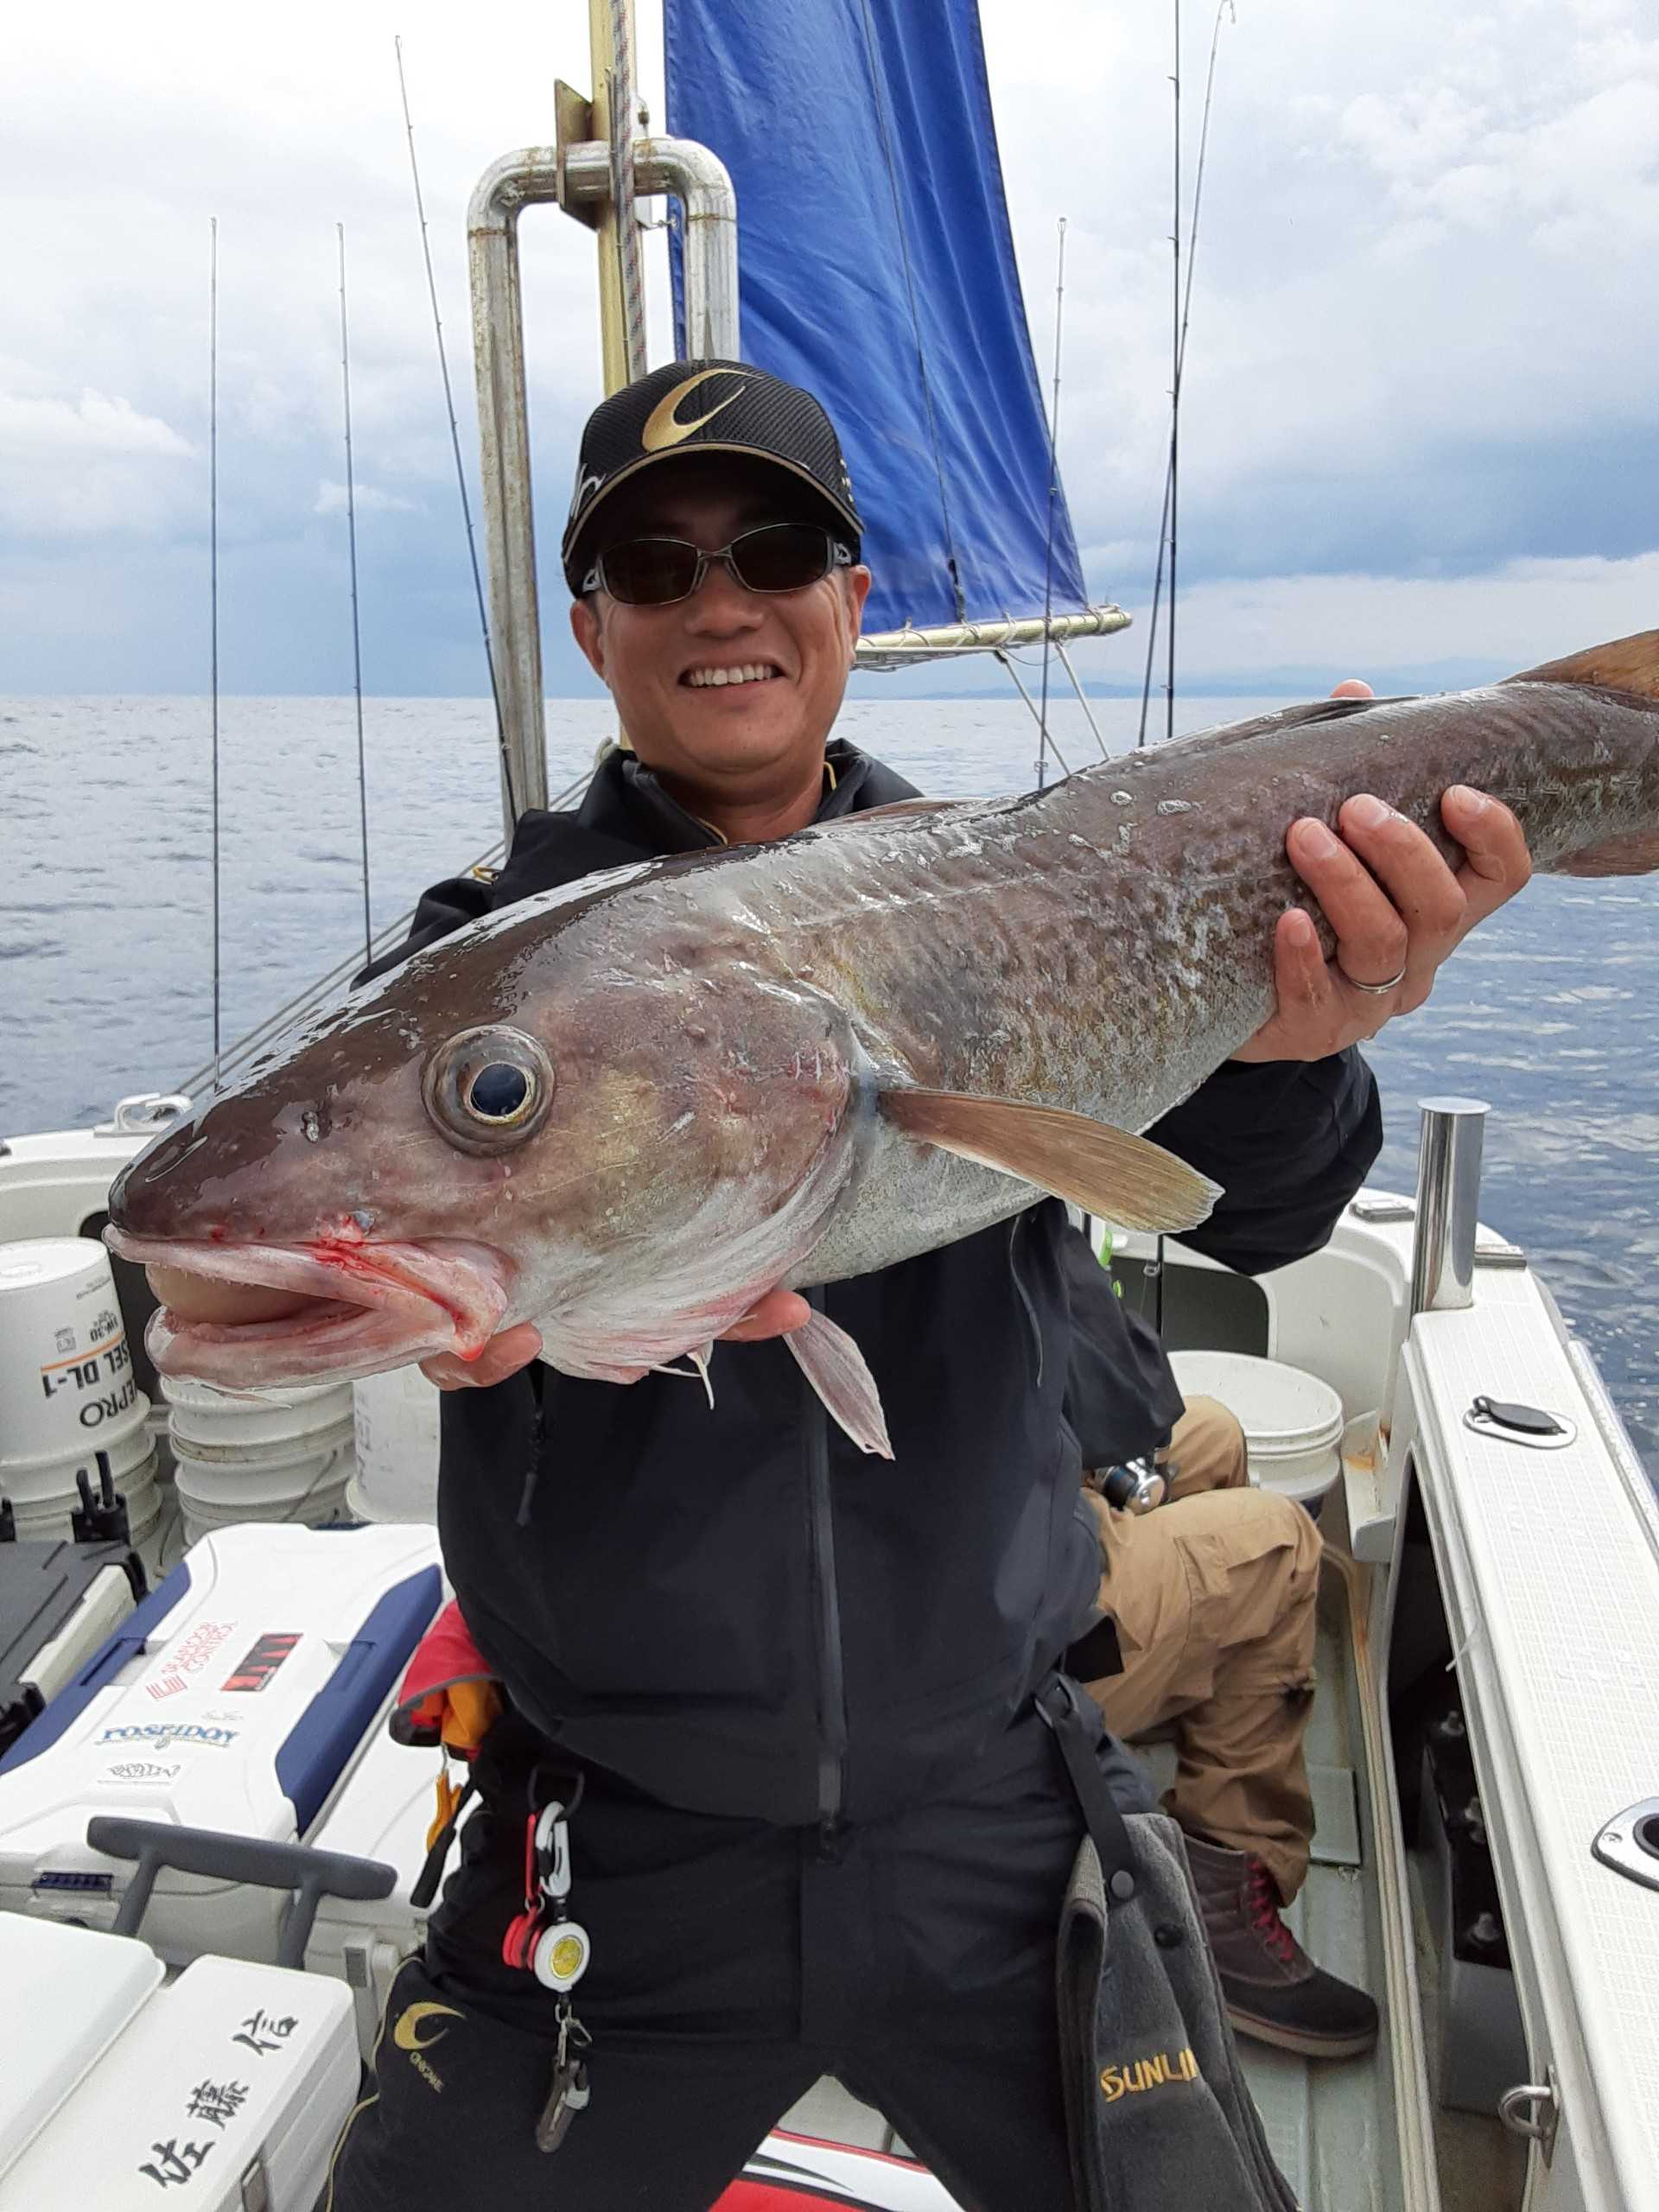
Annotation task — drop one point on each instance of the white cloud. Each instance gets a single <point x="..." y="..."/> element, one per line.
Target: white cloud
<point x="1428" y="235"/>
<point x="332" y="499"/>
<point x="1526" y="612"/>
<point x="50" y="427"/>
<point x="78" y="469"/>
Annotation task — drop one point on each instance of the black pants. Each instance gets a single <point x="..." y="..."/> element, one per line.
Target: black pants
<point x="732" y="1964"/>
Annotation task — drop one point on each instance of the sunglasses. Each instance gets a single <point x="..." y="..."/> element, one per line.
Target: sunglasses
<point x="657" y="571"/>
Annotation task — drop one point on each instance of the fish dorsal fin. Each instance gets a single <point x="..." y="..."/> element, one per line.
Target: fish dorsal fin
<point x="895" y="812"/>
<point x="1105" y="1171"/>
<point x="1626" y="664"/>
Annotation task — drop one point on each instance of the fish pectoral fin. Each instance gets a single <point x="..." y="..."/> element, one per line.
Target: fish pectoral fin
<point x="1124" y="1179"/>
<point x="1625" y="664"/>
<point x="835" y="1367"/>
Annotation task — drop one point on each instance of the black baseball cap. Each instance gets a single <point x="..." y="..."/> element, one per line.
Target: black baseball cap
<point x="690" y="407"/>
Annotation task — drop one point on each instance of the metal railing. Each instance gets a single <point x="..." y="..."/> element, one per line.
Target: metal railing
<point x="574" y="176"/>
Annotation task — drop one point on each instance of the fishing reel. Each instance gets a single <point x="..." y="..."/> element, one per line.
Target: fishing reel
<point x="543" y="1939"/>
<point x="1136" y="1486"/>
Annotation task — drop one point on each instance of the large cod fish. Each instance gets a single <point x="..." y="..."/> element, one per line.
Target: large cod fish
<point x="624" y="1109"/>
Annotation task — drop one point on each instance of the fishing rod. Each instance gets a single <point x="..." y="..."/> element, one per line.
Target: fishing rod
<point x="1053" y="499"/>
<point x="1164" y="524"/>
<point x="357" y="642"/>
<point x="1174" y="383"/>
<point x="1180" y="319"/>
<point x="212" y="586"/>
<point x="454" y="442"/>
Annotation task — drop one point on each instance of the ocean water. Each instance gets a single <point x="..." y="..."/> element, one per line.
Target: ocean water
<point x="106" y="941"/>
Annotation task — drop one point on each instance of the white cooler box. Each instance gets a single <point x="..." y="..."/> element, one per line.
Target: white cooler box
<point x="231" y="2085"/>
<point x="382" y="1814"/>
<point x="230" y="1704"/>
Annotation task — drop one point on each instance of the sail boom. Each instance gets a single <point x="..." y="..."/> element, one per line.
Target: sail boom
<point x="909" y="646"/>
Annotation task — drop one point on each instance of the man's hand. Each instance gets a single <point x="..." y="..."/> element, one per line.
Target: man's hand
<point x="1397" y="910"/>
<point x="503" y="1356"/>
<point x="778" y="1315"/>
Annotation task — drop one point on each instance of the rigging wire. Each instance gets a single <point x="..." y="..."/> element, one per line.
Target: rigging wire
<point x="357" y="642"/>
<point x="1007" y="660"/>
<point x="1171" y="497"/>
<point x="1225" y="8"/>
<point x="1053" y="499"/>
<point x="327" y="988"/>
<point x="455" y="441"/>
<point x="212" y="589"/>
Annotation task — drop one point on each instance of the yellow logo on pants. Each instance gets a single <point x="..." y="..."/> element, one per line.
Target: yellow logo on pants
<point x="407" y="2036"/>
<point x="1146" y="2074"/>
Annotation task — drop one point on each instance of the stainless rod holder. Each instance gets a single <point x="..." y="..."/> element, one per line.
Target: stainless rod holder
<point x="1448" y="1204"/>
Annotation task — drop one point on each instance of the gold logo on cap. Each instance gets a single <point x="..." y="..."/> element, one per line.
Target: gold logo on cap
<point x="663" y="427"/>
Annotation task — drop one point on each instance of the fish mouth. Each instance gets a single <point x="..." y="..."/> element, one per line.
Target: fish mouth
<point x="367" y="1306"/>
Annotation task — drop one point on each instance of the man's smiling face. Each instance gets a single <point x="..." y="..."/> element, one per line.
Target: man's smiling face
<point x="728" y="693"/>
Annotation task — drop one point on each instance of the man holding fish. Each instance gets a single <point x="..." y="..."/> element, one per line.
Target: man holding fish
<point x="765" y="1107"/>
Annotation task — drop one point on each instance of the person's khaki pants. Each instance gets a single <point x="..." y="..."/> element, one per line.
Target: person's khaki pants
<point x="1214" y="1594"/>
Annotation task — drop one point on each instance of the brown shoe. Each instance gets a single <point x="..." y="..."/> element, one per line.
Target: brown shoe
<point x="1274" y="1991"/>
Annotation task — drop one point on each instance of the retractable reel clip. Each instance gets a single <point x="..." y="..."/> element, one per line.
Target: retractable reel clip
<point x="544" y="1939"/>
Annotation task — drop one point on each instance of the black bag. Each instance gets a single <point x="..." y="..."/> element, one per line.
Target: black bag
<point x="1157" y="2114"/>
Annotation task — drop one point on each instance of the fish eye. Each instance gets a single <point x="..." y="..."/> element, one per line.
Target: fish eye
<point x="499" y="1092"/>
<point x="488" y="1090"/>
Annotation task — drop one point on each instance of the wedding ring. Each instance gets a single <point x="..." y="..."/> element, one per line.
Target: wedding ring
<point x="1376" y="990"/>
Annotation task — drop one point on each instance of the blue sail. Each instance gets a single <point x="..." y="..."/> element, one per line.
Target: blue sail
<point x="877" y="269"/>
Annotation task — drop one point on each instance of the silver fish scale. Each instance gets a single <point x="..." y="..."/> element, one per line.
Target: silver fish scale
<point x="1072" y="950"/>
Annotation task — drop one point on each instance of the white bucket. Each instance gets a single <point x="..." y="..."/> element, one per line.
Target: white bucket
<point x="283" y="1453"/>
<point x="45" y="1514"/>
<point x="1292" y="1421"/>
<point x="397" y="1477"/>
<point x="67" y="1384"/>
<point x="52" y="1481"/>
<point x="312" y="1491"/>
<point x="271" y="1426"/>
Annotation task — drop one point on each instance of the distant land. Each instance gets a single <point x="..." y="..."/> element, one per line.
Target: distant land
<point x="1290" y="682"/>
<point x="1285" y="683"/>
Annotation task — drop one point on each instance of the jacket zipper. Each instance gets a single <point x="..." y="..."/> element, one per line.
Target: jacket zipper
<point x="832" y="1682"/>
<point x="1032" y="1322"/>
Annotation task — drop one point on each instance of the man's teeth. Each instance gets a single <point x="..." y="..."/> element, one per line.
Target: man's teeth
<point x="755" y="672"/>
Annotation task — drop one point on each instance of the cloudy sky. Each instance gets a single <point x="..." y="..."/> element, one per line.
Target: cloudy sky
<point x="1419" y="436"/>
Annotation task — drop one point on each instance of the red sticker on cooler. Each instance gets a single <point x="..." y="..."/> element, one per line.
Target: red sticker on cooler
<point x="260" y="1663"/>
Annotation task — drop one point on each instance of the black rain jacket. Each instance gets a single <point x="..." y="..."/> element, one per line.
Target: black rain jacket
<point x="735" y="1610"/>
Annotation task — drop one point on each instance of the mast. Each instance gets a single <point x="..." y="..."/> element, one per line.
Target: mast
<point x="615" y="118"/>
